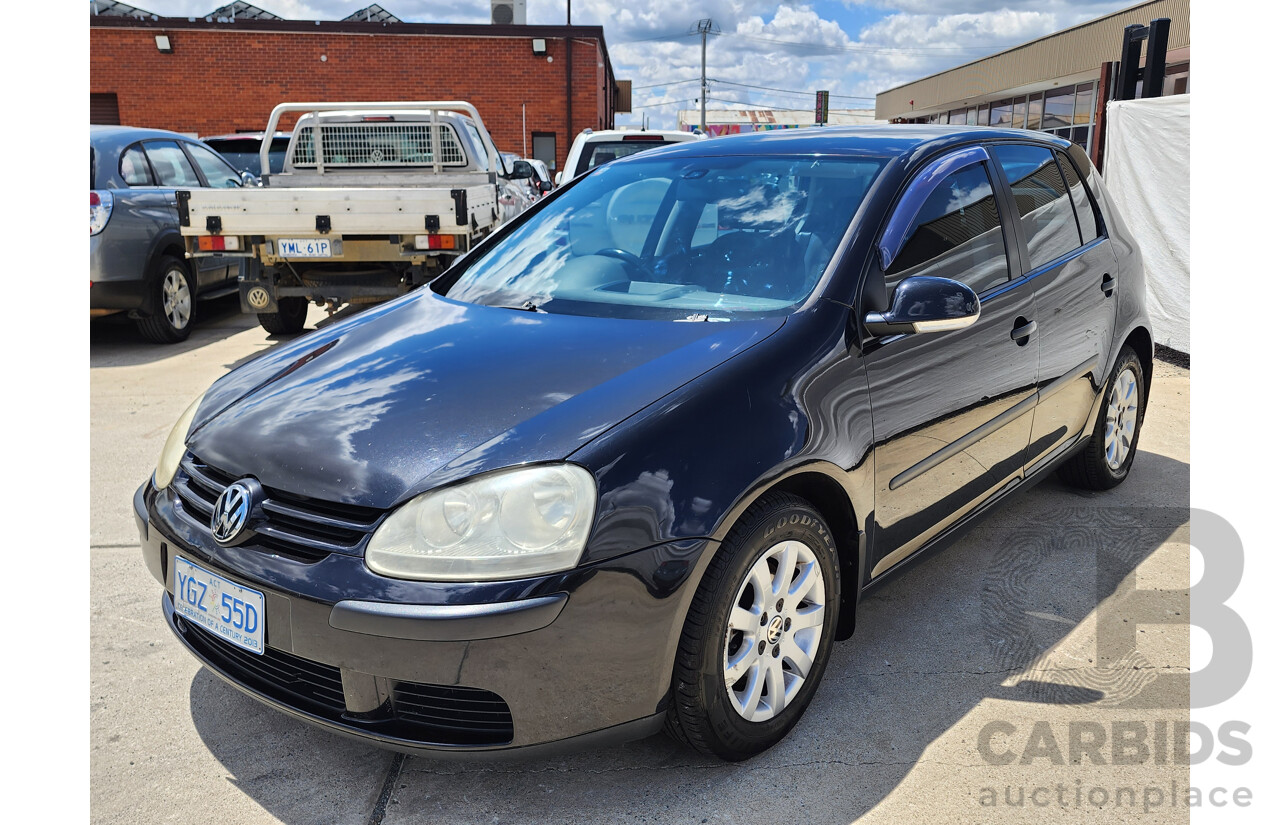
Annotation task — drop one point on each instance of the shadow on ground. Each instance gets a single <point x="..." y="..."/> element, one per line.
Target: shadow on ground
<point x="973" y="622"/>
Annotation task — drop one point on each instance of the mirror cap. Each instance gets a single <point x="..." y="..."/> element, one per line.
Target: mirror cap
<point x="926" y="303"/>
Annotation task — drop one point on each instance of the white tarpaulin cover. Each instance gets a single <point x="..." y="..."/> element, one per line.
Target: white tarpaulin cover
<point x="1147" y="168"/>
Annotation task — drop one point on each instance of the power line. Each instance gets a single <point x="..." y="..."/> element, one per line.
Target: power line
<point x="663" y="103"/>
<point x="668" y="83"/>
<point x="757" y="105"/>
<point x="785" y="91"/>
<point x="659" y="37"/>
<point x="921" y="50"/>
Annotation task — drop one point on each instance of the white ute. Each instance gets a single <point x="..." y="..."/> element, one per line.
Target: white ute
<point x="374" y="200"/>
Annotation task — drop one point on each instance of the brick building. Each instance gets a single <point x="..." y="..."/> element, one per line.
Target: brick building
<point x="535" y="86"/>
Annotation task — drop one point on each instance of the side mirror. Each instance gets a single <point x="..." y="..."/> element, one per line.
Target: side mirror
<point x="926" y="304"/>
<point x="559" y="178"/>
<point x="544" y="186"/>
<point x="249" y="179"/>
<point x="521" y="170"/>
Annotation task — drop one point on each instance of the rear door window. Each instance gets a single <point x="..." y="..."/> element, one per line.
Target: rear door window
<point x="134" y="170"/>
<point x="1040" y="194"/>
<point x="170" y="164"/>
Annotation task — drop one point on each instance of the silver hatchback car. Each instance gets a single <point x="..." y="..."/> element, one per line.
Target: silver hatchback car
<point x="137" y="260"/>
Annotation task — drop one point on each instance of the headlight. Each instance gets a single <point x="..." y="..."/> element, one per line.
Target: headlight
<point x="174" y="446"/>
<point x="506" y="525"/>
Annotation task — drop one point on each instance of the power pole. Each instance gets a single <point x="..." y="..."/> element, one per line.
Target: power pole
<point x="705" y="26"/>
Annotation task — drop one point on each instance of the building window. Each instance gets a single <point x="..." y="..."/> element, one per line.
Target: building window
<point x="1084" y="104"/>
<point x="1035" y="110"/>
<point x="1059" y="107"/>
<point x="1002" y="114"/>
<point x="1020" y="112"/>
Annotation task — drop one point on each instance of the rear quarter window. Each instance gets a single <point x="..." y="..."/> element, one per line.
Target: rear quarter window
<point x="134" y="169"/>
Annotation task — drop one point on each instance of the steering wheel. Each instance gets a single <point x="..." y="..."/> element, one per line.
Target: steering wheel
<point x="627" y="258"/>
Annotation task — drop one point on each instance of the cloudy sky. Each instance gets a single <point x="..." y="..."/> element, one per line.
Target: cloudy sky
<point x="765" y="54"/>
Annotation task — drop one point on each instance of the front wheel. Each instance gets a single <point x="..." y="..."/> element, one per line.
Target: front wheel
<point x="759" y="631"/>
<point x="173" y="300"/>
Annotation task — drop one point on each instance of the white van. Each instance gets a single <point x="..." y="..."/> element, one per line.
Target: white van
<point x="591" y="149"/>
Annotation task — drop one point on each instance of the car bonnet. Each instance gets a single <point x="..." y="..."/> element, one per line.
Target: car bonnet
<point x="426" y="390"/>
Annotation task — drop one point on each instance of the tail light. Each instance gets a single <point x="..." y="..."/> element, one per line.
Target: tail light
<point x="100" y="204"/>
<point x="218" y="243"/>
<point x="435" y="242"/>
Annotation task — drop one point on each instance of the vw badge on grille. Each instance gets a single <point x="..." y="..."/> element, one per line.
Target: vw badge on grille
<point x="231" y="512"/>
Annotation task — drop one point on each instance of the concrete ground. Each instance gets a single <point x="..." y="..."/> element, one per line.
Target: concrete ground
<point x="1020" y="672"/>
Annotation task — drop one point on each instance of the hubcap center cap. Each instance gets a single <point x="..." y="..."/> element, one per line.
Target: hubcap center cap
<point x="775" y="630"/>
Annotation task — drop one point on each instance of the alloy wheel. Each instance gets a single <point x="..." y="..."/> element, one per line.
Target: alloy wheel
<point x="774" y="630"/>
<point x="1122" y="419"/>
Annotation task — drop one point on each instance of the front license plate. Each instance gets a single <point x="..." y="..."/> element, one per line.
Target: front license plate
<point x="233" y="612"/>
<point x="304" y="248"/>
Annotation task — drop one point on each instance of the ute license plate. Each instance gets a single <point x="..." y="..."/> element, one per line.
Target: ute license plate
<point x="304" y="248"/>
<point x="223" y="607"/>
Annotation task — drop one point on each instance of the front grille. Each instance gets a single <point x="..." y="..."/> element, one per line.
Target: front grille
<point x="431" y="714"/>
<point x="301" y="528"/>
<point x="298" y="682"/>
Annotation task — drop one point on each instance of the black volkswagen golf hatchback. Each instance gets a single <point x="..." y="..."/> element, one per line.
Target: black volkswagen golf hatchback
<point x="630" y="462"/>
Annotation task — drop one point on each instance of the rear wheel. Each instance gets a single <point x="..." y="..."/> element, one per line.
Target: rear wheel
<point x="290" y="318"/>
<point x="174" y="300"/>
<point x="1105" y="462"/>
<point x="759" y="632"/>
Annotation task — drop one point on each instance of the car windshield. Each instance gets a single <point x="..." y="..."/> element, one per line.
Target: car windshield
<point x="677" y="237"/>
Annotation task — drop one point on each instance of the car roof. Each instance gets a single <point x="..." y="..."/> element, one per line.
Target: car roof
<point x="889" y="140"/>
<point x="246" y="136"/>
<point x="103" y="135"/>
<point x="608" y="134"/>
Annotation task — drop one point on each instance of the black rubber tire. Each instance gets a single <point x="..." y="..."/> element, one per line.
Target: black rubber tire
<point x="157" y="327"/>
<point x="291" y="318"/>
<point x="1088" y="468"/>
<point x="700" y="714"/>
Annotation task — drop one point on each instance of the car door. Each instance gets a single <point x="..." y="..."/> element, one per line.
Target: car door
<point x="1069" y="264"/>
<point x="143" y="210"/>
<point x="217" y="174"/>
<point x="173" y="170"/>
<point x="951" y="411"/>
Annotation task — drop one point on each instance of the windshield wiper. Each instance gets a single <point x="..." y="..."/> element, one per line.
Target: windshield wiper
<point x="527" y="306"/>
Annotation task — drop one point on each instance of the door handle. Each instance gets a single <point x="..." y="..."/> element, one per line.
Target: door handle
<point x="1023" y="331"/>
<point x="1108" y="284"/>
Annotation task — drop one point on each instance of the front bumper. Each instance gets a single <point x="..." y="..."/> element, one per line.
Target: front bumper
<point x="579" y="658"/>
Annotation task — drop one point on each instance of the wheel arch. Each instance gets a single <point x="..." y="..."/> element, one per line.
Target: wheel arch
<point x="818" y="483"/>
<point x="167" y="243"/>
<point x="1139" y="338"/>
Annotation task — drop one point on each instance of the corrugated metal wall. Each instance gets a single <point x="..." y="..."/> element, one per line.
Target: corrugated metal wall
<point x="1083" y="48"/>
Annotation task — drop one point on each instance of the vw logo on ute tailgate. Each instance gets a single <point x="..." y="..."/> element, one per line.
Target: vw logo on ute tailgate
<point x="231" y="512"/>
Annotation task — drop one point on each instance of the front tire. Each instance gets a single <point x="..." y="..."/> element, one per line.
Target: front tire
<point x="759" y="631"/>
<point x="174" y="301"/>
<point x="290" y="319"/>
<point x="1106" y="460"/>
